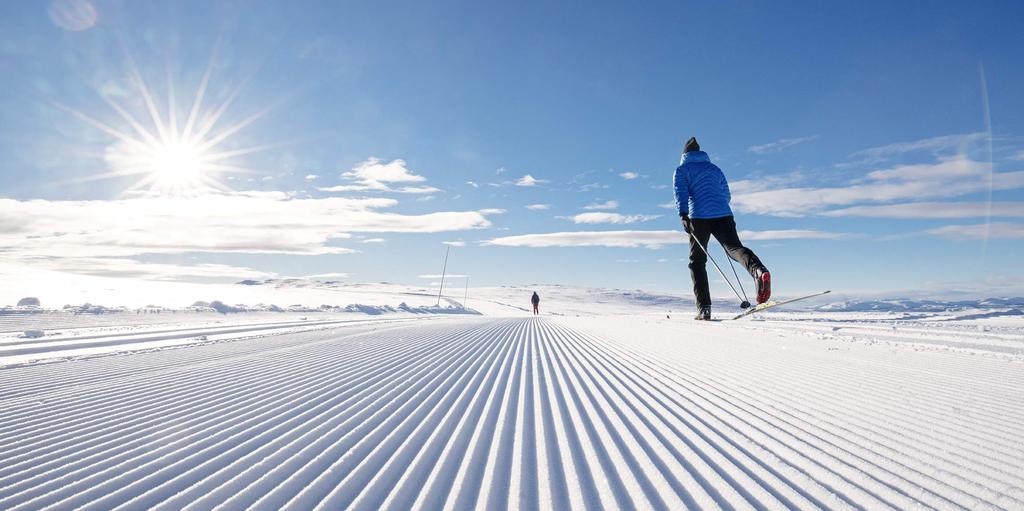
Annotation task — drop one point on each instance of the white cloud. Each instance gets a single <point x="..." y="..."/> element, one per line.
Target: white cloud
<point x="538" y="207"/>
<point x="311" y="177"/>
<point x="645" y="239"/>
<point x="329" y="275"/>
<point x="934" y="210"/>
<point x="373" y="240"/>
<point x="767" y="182"/>
<point x="373" y="175"/>
<point x="474" y="184"/>
<point x="529" y="180"/>
<point x="667" y="205"/>
<point x="610" y="218"/>
<point x="500" y="170"/>
<point x="362" y="188"/>
<point x="792" y="234"/>
<point x="130" y="268"/>
<point x="629" y="176"/>
<point x="612" y="204"/>
<point x="454" y="243"/>
<point x="779" y="145"/>
<point x="451" y="276"/>
<point x="949" y="177"/>
<point x="492" y="211"/>
<point x="373" y="170"/>
<point x="251" y="222"/>
<point x="933" y="145"/>
<point x="995" y="230"/>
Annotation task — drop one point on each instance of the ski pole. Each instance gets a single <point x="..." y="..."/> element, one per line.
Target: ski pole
<point x="737" y="275"/>
<point x="744" y="304"/>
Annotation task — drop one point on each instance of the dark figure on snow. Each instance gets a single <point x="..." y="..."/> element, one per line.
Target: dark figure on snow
<point x="535" y="300"/>
<point x="702" y="198"/>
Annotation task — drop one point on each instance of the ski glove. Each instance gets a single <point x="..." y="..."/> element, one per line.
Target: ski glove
<point x="686" y="223"/>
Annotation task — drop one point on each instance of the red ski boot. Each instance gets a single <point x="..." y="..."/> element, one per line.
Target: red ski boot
<point x="764" y="285"/>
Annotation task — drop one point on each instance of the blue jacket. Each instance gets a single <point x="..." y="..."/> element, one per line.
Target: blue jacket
<point x="701" y="188"/>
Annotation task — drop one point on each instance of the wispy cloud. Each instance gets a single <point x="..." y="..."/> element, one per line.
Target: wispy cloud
<point x="373" y="175"/>
<point x="637" y="239"/>
<point x="779" y="145"/>
<point x="492" y="211"/>
<point x="934" y="210"/>
<point x="373" y="240"/>
<point x="449" y="276"/>
<point x="329" y="275"/>
<point x="934" y="145"/>
<point x="949" y="177"/>
<point x="130" y="268"/>
<point x="311" y="177"/>
<point x="250" y="222"/>
<point x="538" y="207"/>
<point x="667" y="205"/>
<point x="611" y="204"/>
<point x="529" y="180"/>
<point x="593" y="186"/>
<point x="629" y="176"/>
<point x="610" y="218"/>
<point x="767" y="182"/>
<point x="994" y="230"/>
<point x="454" y="243"/>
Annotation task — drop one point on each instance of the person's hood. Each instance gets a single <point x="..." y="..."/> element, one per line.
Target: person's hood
<point x="694" y="157"/>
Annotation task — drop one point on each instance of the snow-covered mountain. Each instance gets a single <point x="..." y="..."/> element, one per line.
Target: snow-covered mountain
<point x="919" y="305"/>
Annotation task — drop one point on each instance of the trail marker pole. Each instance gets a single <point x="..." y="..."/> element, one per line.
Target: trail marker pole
<point x="443" y="270"/>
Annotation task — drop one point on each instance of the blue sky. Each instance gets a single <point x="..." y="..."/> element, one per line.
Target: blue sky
<point x="357" y="138"/>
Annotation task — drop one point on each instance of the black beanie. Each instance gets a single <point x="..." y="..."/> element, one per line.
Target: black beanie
<point x="691" y="145"/>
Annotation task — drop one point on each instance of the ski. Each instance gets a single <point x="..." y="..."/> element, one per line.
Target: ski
<point x="772" y="303"/>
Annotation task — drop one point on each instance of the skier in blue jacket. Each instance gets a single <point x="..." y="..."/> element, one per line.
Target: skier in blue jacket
<point x="702" y="198"/>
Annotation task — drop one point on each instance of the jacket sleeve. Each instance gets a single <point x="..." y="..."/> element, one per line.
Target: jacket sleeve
<point x="682" y="187"/>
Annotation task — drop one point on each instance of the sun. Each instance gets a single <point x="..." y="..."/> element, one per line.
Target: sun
<point x="176" y="167"/>
<point x="173" y="166"/>
<point x="171" y="157"/>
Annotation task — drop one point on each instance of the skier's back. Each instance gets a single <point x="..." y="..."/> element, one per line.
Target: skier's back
<point x="702" y="198"/>
<point x="535" y="300"/>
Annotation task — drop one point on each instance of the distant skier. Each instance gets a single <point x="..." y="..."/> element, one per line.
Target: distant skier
<point x="702" y="198"/>
<point x="535" y="300"/>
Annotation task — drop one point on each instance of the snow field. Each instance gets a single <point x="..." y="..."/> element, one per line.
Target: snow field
<point x="525" y="413"/>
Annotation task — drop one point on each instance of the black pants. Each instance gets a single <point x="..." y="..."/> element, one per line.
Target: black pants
<point x="724" y="230"/>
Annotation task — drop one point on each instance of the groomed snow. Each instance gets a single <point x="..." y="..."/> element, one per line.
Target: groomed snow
<point x="628" y="411"/>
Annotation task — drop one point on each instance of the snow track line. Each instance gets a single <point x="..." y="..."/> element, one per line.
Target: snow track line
<point x="63" y="415"/>
<point x="1005" y="489"/>
<point x="478" y="413"/>
<point x="712" y="473"/>
<point x="903" y="505"/>
<point x="151" y="414"/>
<point x="19" y="355"/>
<point x="122" y="427"/>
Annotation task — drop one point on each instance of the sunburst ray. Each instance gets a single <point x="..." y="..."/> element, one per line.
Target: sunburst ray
<point x="173" y="158"/>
